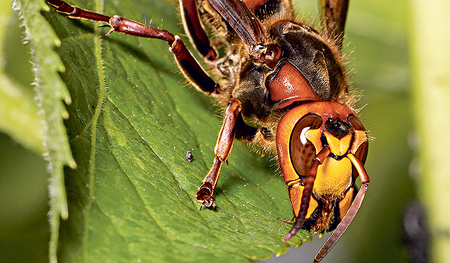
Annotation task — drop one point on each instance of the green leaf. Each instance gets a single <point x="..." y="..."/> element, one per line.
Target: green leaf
<point x="49" y="94"/>
<point x="130" y="124"/>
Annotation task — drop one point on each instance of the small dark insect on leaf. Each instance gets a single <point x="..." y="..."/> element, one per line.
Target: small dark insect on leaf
<point x="189" y="156"/>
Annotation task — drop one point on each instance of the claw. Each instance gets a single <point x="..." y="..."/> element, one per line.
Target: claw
<point x="204" y="195"/>
<point x="208" y="201"/>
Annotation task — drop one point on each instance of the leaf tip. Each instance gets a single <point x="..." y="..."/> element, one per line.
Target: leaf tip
<point x="72" y="164"/>
<point x="68" y="101"/>
<point x="65" y="213"/>
<point x="65" y="115"/>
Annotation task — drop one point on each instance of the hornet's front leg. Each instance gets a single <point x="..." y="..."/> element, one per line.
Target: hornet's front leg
<point x="222" y="150"/>
<point x="185" y="60"/>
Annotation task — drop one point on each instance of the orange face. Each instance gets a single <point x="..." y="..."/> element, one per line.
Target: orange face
<point x="302" y="133"/>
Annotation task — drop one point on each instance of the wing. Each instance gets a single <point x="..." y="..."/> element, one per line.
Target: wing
<point x="244" y="22"/>
<point x="334" y="14"/>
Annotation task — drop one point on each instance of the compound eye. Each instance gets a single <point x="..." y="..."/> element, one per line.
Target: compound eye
<point x="355" y="122"/>
<point x="361" y="136"/>
<point x="302" y="150"/>
<point x="311" y="119"/>
<point x="361" y="153"/>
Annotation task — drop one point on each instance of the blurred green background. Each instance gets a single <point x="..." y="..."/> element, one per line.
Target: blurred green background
<point x="24" y="228"/>
<point x="381" y="41"/>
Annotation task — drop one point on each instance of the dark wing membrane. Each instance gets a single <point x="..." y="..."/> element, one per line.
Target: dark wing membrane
<point x="334" y="14"/>
<point x="266" y="9"/>
<point x="242" y="20"/>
